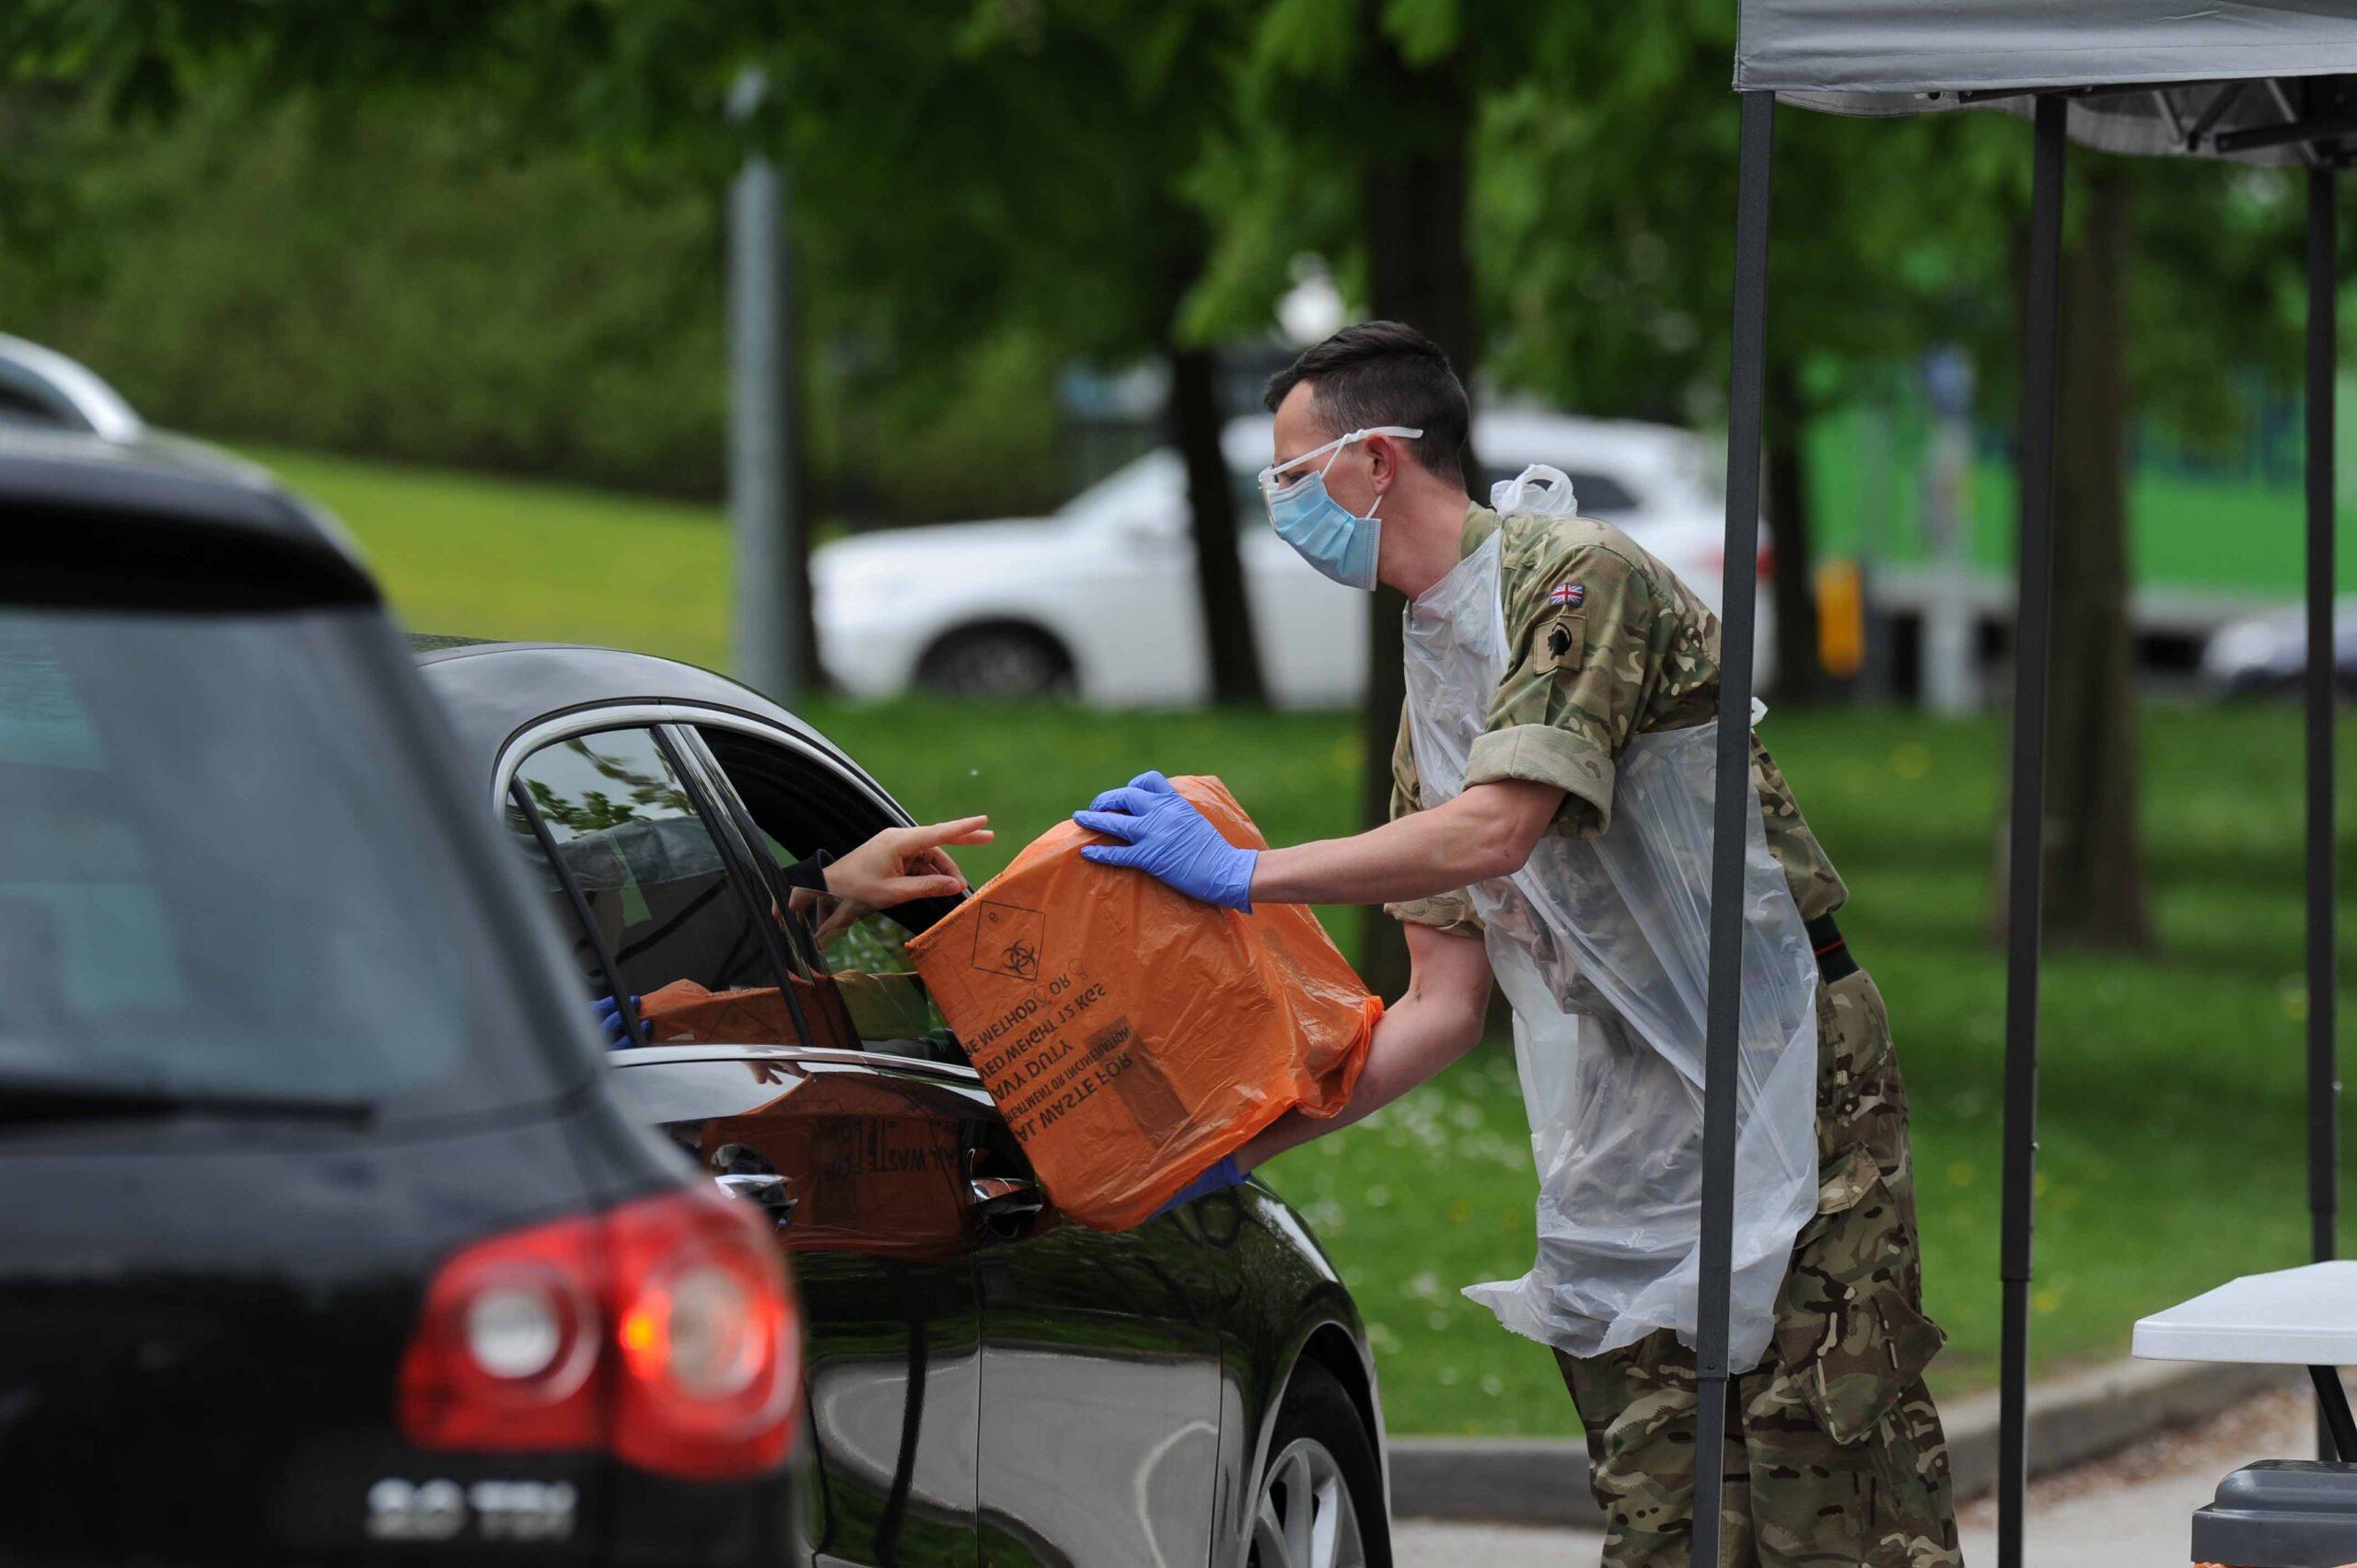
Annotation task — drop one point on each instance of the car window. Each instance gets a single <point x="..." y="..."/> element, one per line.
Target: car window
<point x="218" y="872"/>
<point x="647" y="864"/>
<point x="801" y="804"/>
<point x="20" y="408"/>
<point x="1600" y="494"/>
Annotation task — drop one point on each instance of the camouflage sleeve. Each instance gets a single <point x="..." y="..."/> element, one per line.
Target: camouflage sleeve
<point x="1583" y="629"/>
<point x="1452" y="913"/>
<point x="1406" y="793"/>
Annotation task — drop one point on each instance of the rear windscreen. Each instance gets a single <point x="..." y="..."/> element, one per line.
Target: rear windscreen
<point x="217" y="874"/>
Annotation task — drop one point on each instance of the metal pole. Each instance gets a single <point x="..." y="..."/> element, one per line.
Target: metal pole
<point x="2025" y="860"/>
<point x="2324" y="1088"/>
<point x="766" y="639"/>
<point x="1732" y="796"/>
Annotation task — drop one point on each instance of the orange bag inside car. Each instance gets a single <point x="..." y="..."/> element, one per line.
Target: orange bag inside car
<point x="684" y="1012"/>
<point x="1130" y="1035"/>
<point x="843" y="1012"/>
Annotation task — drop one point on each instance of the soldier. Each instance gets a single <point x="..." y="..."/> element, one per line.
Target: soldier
<point x="1559" y="772"/>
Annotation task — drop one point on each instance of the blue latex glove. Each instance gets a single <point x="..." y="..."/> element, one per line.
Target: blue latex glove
<point x="1218" y="1178"/>
<point x="1166" y="837"/>
<point x="608" y="1014"/>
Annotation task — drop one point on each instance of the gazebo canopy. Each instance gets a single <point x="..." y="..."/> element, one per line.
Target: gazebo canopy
<point x="2227" y="78"/>
<point x="2262" y="81"/>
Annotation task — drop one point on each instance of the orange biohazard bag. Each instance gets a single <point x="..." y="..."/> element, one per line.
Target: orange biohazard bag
<point x="1130" y="1035"/>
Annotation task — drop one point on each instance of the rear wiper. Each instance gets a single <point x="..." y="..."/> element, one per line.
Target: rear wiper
<point x="69" y="1099"/>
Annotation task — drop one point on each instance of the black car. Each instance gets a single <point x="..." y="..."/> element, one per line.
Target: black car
<point x="322" y="1236"/>
<point x="985" y="1381"/>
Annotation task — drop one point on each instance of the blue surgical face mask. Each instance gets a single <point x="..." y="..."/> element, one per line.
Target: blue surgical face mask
<point x="1339" y="543"/>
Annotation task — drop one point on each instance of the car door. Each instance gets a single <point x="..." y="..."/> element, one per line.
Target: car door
<point x="867" y="1170"/>
<point x="1099" y="1432"/>
<point x="861" y="1169"/>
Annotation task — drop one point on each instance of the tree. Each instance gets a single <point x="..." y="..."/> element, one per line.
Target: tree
<point x="2145" y="237"/>
<point x="1606" y="218"/>
<point x="1119" y="101"/>
<point x="1354" y="135"/>
<point x="2095" y="877"/>
<point x="1548" y="191"/>
<point x="1891" y="238"/>
<point x="1550" y="194"/>
<point x="1020" y="169"/>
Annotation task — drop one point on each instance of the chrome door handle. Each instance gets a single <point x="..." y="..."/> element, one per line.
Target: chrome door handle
<point x="1007" y="1204"/>
<point x="1006" y="1191"/>
<point x="768" y="1188"/>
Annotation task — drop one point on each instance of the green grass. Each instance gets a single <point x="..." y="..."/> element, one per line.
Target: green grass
<point x="2171" y="1102"/>
<point x="472" y="554"/>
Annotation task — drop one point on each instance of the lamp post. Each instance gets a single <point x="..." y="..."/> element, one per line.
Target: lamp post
<point x="771" y="598"/>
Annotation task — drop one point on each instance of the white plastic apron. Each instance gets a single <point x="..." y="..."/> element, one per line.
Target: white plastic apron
<point x="1602" y="946"/>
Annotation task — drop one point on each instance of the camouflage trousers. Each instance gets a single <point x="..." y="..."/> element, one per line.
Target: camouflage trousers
<point x="1834" y="1452"/>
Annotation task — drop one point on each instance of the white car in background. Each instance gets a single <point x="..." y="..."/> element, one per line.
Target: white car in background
<point x="1099" y="601"/>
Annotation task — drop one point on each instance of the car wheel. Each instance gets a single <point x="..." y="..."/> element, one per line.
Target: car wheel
<point x="1320" y="1503"/>
<point x="997" y="661"/>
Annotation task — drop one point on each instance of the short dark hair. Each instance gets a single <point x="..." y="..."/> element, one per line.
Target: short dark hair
<point x="1384" y="372"/>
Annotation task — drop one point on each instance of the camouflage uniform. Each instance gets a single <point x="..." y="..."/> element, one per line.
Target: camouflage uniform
<point x="1834" y="1450"/>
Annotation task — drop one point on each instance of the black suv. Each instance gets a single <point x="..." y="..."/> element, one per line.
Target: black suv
<point x="322" y="1235"/>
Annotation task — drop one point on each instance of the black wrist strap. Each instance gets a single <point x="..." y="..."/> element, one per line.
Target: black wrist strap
<point x="1834" y="959"/>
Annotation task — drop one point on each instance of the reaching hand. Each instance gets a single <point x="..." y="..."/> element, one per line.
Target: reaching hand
<point x="834" y="915"/>
<point x="900" y="864"/>
<point x="1166" y="837"/>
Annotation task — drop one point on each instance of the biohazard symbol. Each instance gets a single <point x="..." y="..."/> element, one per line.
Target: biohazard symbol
<point x="1010" y="940"/>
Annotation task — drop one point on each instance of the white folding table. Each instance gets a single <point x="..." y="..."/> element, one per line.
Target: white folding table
<point x="2303" y="1317"/>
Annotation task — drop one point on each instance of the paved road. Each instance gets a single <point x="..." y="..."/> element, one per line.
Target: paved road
<point x="2134" y="1508"/>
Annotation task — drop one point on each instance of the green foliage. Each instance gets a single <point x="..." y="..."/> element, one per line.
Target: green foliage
<point x="1074" y="171"/>
<point x="1604" y="221"/>
<point x="2215" y="295"/>
<point x="595" y="810"/>
<point x="409" y="280"/>
<point x="398" y="284"/>
<point x="1602" y="227"/>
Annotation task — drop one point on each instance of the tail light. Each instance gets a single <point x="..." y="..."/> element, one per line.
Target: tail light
<point x="709" y="1365"/>
<point x="663" y="1331"/>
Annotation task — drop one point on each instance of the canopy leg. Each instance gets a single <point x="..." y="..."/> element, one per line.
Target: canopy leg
<point x="1732" y="796"/>
<point x="2339" y="1432"/>
<point x="2025" y="861"/>
<point x="2324" y="1091"/>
